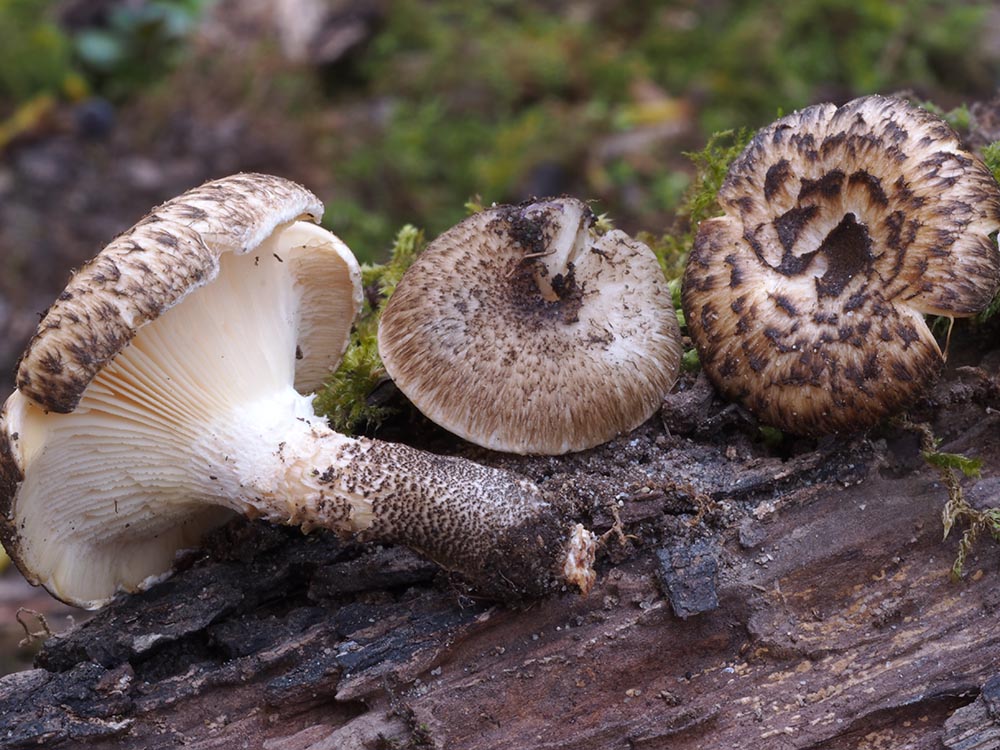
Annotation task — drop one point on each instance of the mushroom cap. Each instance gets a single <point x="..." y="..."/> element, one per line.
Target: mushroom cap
<point x="523" y="330"/>
<point x="216" y="300"/>
<point x="151" y="267"/>
<point x="842" y="228"/>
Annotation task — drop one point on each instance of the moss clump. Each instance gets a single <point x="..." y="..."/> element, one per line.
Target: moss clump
<point x="959" y="118"/>
<point x="991" y="155"/>
<point x="344" y="399"/>
<point x="700" y="202"/>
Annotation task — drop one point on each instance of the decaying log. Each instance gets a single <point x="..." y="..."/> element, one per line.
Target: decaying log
<point x="789" y="596"/>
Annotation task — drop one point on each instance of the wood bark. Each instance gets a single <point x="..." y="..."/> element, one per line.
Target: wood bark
<point x="788" y="596"/>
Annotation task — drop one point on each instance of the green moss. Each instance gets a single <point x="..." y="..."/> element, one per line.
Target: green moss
<point x="772" y="436"/>
<point x="700" y="202"/>
<point x="956" y="509"/>
<point x="711" y="165"/>
<point x="970" y="467"/>
<point x="344" y="399"/>
<point x="991" y="155"/>
<point x="990" y="310"/>
<point x="690" y="361"/>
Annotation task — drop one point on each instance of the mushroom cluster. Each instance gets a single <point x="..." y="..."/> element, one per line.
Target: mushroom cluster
<point x="167" y="389"/>
<point x="842" y="228"/>
<point x="524" y="330"/>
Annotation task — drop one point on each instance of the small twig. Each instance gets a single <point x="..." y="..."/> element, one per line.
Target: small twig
<point x="30" y="636"/>
<point x="947" y="340"/>
<point x="703" y="503"/>
<point x="617" y="528"/>
<point x="527" y="256"/>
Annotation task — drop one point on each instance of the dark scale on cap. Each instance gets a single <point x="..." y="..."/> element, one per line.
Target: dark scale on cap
<point x="789" y="226"/>
<point x="847" y="225"/>
<point x="848" y="252"/>
<point x="873" y="184"/>
<point x="776" y="178"/>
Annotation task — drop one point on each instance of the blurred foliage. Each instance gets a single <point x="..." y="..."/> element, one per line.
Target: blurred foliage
<point x="130" y="49"/>
<point x="510" y="99"/>
<point x="749" y="58"/>
<point x="960" y="118"/>
<point x="137" y="45"/>
<point x="36" y="56"/>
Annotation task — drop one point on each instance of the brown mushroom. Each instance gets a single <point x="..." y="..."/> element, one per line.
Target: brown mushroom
<point x="168" y="387"/>
<point x="522" y="329"/>
<point x="843" y="228"/>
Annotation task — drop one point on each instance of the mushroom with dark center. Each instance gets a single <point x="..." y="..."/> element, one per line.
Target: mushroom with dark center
<point x="167" y="388"/>
<point x="524" y="330"/>
<point x="843" y="228"/>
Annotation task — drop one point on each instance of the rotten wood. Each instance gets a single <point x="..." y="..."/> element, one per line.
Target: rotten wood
<point x="773" y="596"/>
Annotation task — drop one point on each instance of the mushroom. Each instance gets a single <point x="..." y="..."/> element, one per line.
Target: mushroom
<point x="165" y="390"/>
<point x="524" y="330"/>
<point x="842" y="228"/>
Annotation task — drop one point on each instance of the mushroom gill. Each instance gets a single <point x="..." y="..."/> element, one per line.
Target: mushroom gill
<point x="842" y="228"/>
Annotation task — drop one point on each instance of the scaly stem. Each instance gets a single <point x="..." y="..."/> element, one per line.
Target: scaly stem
<point x="491" y="526"/>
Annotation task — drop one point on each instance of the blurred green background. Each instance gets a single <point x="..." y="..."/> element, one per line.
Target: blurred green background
<point x="402" y="111"/>
<point x="405" y="109"/>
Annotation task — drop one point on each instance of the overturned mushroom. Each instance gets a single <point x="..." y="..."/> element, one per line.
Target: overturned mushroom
<point x="843" y="227"/>
<point x="163" y="391"/>
<point x="523" y="330"/>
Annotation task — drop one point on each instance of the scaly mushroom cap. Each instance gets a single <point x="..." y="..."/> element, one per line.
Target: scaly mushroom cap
<point x="843" y="227"/>
<point x="107" y="377"/>
<point x="151" y="267"/>
<point x="523" y="330"/>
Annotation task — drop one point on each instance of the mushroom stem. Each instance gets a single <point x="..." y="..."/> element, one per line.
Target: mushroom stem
<point x="492" y="526"/>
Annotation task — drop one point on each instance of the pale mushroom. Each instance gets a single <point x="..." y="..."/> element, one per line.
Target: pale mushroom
<point x="522" y="329"/>
<point x="167" y="388"/>
<point x="843" y="228"/>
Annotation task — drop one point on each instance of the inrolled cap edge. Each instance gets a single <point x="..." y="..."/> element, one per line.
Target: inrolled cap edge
<point x="146" y="270"/>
